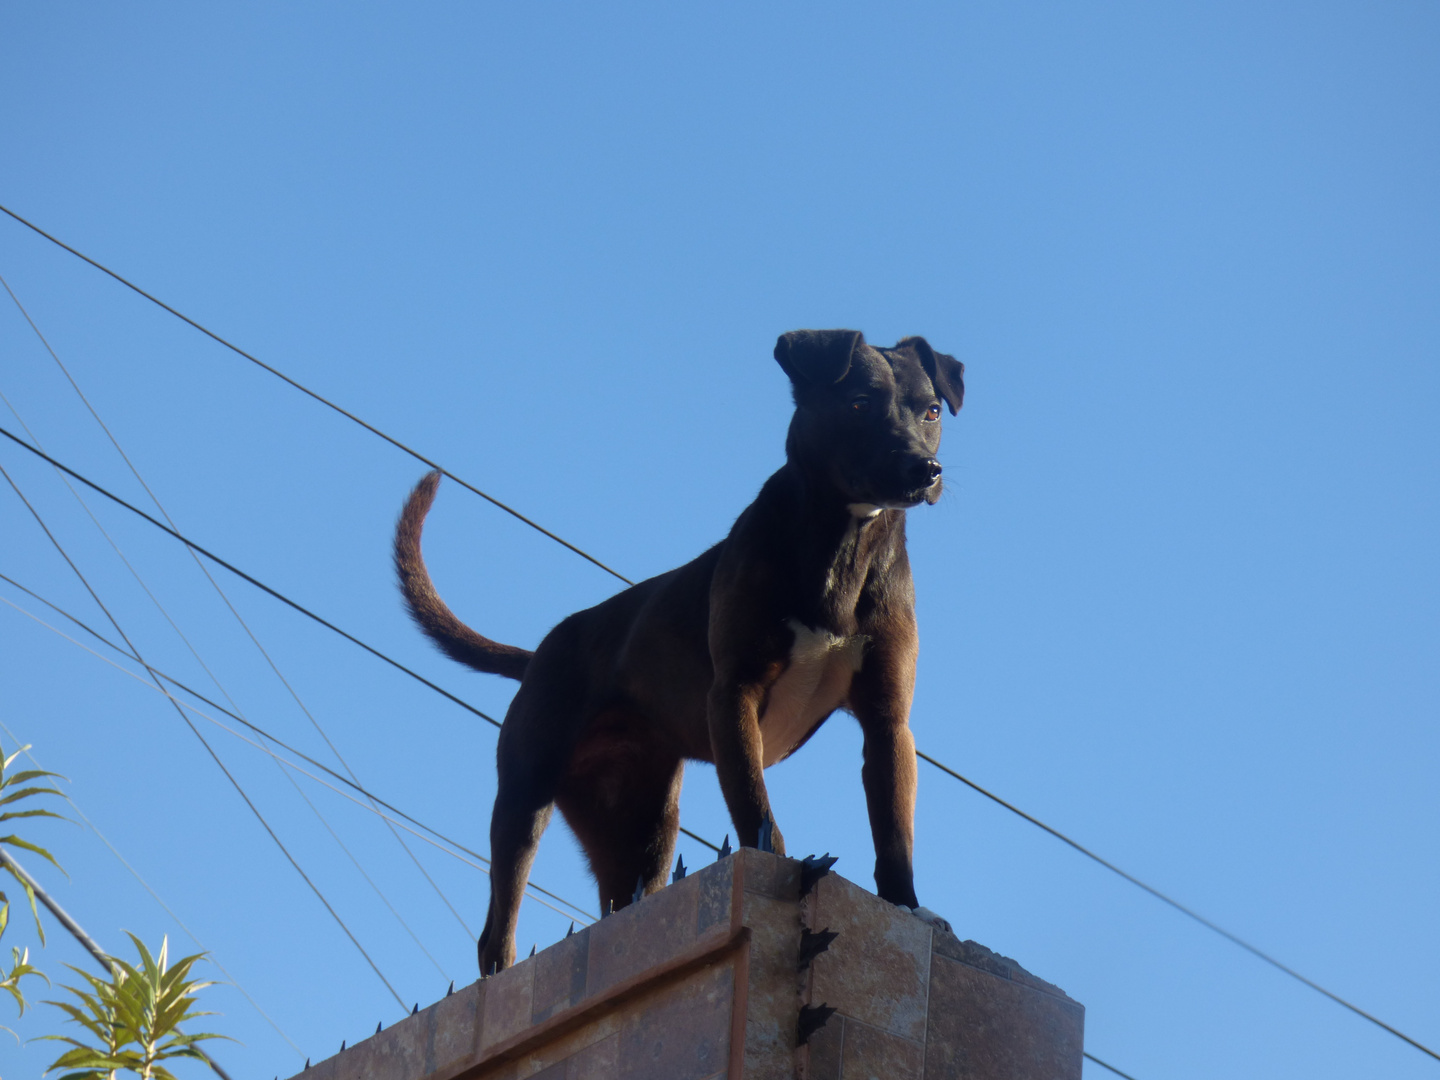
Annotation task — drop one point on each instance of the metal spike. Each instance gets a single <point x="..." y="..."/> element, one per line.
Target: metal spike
<point x="416" y="1009"/>
<point x="812" y="869"/>
<point x="609" y="909"/>
<point x="767" y="836"/>
<point x="725" y="849"/>
<point x="812" y="945"/>
<point x="639" y="893"/>
<point x="451" y="990"/>
<point x="679" y="869"/>
<point x="495" y="969"/>
<point x="572" y="928"/>
<point x="342" y="1046"/>
<point x="307" y="1063"/>
<point x="378" y="1025"/>
<point x="532" y="950"/>
<point x="812" y="1019"/>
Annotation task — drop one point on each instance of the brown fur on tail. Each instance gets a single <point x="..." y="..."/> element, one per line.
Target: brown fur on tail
<point x="438" y="622"/>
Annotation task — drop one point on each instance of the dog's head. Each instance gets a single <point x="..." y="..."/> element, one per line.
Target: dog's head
<point x="867" y="420"/>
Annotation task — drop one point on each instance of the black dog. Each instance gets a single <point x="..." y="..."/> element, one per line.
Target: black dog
<point x="736" y="657"/>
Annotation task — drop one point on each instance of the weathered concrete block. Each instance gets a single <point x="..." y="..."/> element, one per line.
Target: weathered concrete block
<point x="700" y="982"/>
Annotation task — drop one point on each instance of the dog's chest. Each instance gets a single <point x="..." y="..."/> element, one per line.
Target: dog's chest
<point x="815" y="683"/>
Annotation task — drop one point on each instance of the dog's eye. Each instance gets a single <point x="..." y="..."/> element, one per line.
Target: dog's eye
<point x="933" y="413"/>
<point x="860" y="405"/>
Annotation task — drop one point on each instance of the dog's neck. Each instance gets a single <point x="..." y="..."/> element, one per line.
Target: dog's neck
<point x="836" y="544"/>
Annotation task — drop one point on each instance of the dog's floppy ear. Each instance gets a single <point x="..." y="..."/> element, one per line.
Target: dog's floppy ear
<point x="946" y="373"/>
<point x="821" y="357"/>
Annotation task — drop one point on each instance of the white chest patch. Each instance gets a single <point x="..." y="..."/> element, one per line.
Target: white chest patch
<point x="815" y="684"/>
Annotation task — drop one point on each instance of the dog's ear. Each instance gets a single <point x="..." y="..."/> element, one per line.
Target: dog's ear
<point x="821" y="357"/>
<point x="946" y="373"/>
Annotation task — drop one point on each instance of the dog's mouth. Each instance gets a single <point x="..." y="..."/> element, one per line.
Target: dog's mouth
<point x="911" y="499"/>
<point x="929" y="494"/>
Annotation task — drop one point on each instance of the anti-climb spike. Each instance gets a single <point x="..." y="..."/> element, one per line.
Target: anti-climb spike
<point x="451" y="990"/>
<point x="767" y="836"/>
<point x="679" y="869"/>
<point x="812" y="1019"/>
<point x="725" y="849"/>
<point x="378" y="1025"/>
<point x="813" y="944"/>
<point x="342" y="1046"/>
<point x="307" y="1063"/>
<point x="415" y="1009"/>
<point x="812" y="869"/>
<point x="532" y="950"/>
<point x="572" y="928"/>
<point x="639" y="893"/>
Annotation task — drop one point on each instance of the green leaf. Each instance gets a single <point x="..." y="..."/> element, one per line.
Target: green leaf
<point x="134" y="1016"/>
<point x="9" y="814"/>
<point x="32" y="774"/>
<point x="25" y="793"/>
<point x="30" y="895"/>
<point x="15" y="841"/>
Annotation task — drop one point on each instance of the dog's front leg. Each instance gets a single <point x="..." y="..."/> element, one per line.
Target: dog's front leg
<point x="880" y="699"/>
<point x="733" y="712"/>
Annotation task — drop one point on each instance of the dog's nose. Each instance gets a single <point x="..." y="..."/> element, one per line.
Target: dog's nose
<point x="924" y="473"/>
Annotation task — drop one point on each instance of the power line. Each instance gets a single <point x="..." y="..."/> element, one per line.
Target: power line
<point x="364" y="805"/>
<point x="246" y="577"/>
<point x="278" y="595"/>
<point x="1133" y="880"/>
<point x="203" y="741"/>
<point x="368" y="805"/>
<point x="369" y="795"/>
<point x="323" y="400"/>
<point x="1106" y="1065"/>
<point x="206" y="668"/>
<point x="367" y="426"/>
<point x="924" y="757"/>
<point x="445" y="472"/>
<point x="314" y="722"/>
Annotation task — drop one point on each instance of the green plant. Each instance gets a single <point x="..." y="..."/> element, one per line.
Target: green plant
<point x="12" y="792"/>
<point x="134" y="1018"/>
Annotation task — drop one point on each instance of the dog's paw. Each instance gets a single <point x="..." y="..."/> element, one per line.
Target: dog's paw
<point x="924" y="914"/>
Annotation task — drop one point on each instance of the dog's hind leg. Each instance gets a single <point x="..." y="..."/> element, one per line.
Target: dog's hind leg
<point x="530" y="759"/>
<point x="515" y="831"/>
<point x="622" y="800"/>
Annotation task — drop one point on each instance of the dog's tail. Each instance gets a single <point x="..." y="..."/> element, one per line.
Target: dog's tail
<point x="438" y="622"/>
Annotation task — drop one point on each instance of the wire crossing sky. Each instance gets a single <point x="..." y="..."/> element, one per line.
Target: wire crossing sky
<point x="1180" y="598"/>
<point x="1259" y="953"/>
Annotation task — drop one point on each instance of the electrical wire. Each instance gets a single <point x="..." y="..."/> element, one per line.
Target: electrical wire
<point x="278" y="595"/>
<point x="226" y="694"/>
<point x="324" y="401"/>
<point x="924" y="757"/>
<point x="1133" y="880"/>
<point x="314" y="722"/>
<point x="420" y="457"/>
<point x="253" y="581"/>
<point x="575" y="912"/>
<point x="369" y="795"/>
<point x="203" y="741"/>
<point x="1106" y="1065"/>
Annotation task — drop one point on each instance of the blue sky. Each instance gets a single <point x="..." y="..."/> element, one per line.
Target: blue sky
<point x="1180" y="600"/>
